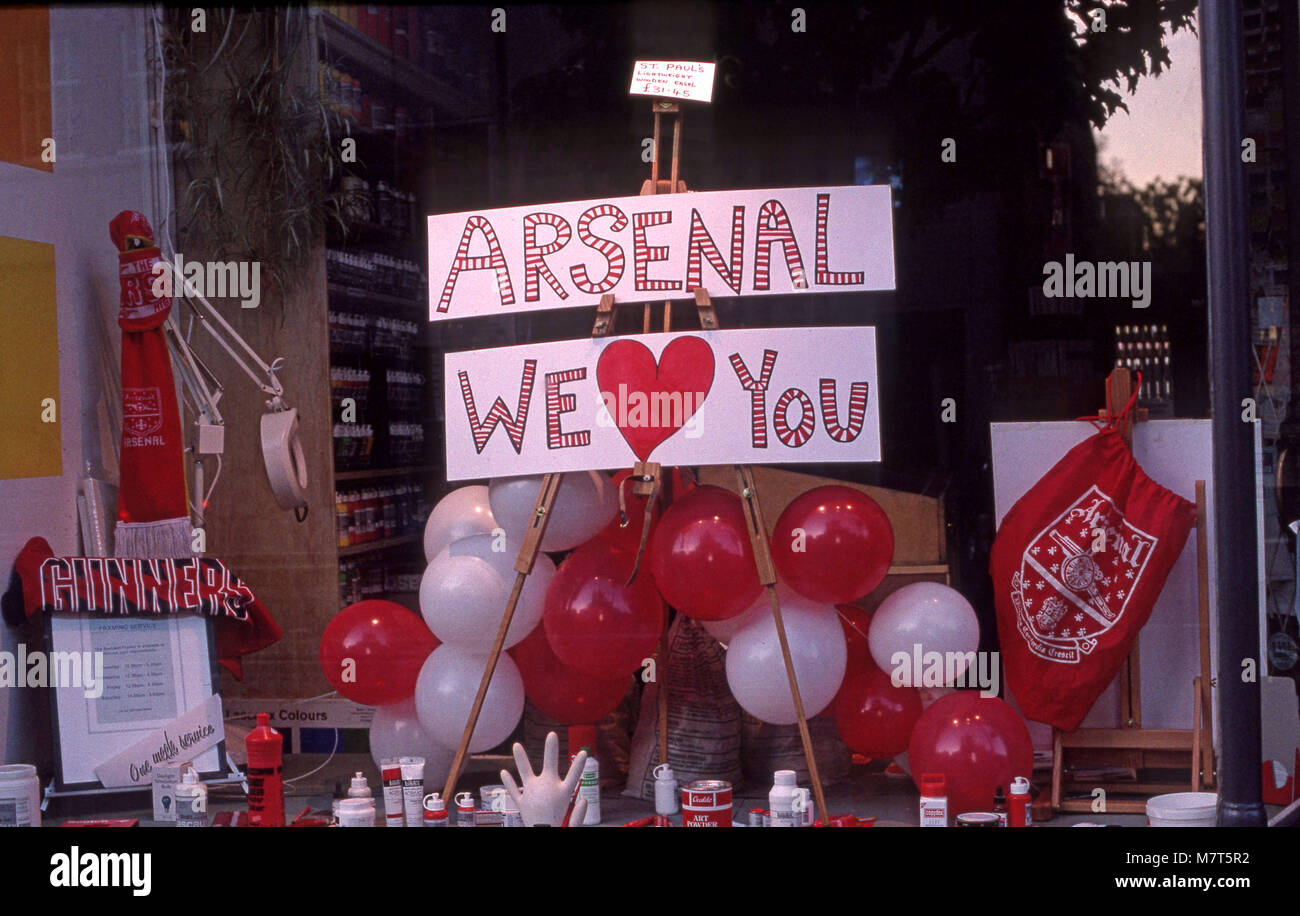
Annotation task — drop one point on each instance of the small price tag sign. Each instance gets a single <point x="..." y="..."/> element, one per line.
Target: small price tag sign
<point x="673" y="79"/>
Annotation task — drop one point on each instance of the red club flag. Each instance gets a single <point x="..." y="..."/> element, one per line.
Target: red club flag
<point x="1077" y="567"/>
<point x="152" y="505"/>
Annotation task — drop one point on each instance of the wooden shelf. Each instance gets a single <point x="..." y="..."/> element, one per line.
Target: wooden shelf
<point x="382" y="544"/>
<point x="370" y="474"/>
<point x="374" y="63"/>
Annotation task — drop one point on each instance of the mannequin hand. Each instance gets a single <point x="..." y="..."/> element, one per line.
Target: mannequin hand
<point x="544" y="797"/>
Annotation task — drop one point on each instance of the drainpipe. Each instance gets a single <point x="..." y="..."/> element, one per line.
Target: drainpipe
<point x="1228" y="277"/>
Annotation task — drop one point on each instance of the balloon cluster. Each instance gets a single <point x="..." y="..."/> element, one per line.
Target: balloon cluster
<point x="423" y="671"/>
<point x="580" y="629"/>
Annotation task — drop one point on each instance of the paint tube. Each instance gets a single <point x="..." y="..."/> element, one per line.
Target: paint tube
<point x="413" y="790"/>
<point x="394" y="806"/>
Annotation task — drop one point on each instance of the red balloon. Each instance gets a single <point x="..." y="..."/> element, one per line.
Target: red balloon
<point x="594" y="621"/>
<point x="856" y="623"/>
<point x="701" y="557"/>
<point x="833" y="544"/>
<point x="628" y="537"/>
<point x="562" y="692"/>
<point x="977" y="743"/>
<point x="386" y="644"/>
<point x="874" y="717"/>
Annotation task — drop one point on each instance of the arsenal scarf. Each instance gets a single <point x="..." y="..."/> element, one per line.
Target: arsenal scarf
<point x="1077" y="566"/>
<point x="152" y="504"/>
<point x="142" y="587"/>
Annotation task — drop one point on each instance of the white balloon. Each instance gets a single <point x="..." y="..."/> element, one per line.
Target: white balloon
<point x="444" y="693"/>
<point x="928" y="615"/>
<point x="465" y="589"/>
<point x="724" y="630"/>
<point x="584" y="504"/>
<point x="459" y="514"/>
<point x="395" y="731"/>
<point x="756" y="671"/>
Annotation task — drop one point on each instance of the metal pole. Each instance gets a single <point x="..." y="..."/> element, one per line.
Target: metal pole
<point x="1227" y="275"/>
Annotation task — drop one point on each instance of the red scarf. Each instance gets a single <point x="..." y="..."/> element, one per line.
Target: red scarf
<point x="142" y="587"/>
<point x="152" y="503"/>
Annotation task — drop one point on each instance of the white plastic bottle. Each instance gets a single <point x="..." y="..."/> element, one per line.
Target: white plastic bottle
<point x="191" y="801"/>
<point x="780" y="801"/>
<point x="589" y="788"/>
<point x="359" y="788"/>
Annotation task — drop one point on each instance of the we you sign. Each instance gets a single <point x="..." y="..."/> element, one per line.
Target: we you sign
<point x="713" y="397"/>
<point x="662" y="246"/>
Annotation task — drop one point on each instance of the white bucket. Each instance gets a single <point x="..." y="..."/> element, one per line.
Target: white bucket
<point x="1182" y="809"/>
<point x="20" y="796"/>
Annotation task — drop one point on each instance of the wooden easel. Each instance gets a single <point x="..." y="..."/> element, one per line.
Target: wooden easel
<point x="646" y="481"/>
<point x="1130" y="745"/>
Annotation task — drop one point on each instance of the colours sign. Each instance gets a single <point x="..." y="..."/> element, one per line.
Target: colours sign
<point x="762" y="396"/>
<point x="657" y="247"/>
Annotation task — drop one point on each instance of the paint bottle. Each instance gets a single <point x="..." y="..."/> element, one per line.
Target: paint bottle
<point x="435" y="811"/>
<point x="465" y="809"/>
<point x="780" y="801"/>
<point x="1019" y="804"/>
<point x="934" y="800"/>
<point x="665" y="790"/>
<point x="589" y="788"/>
<point x="1000" y="807"/>
<point x="191" y="800"/>
<point x="359" y="788"/>
<point x="265" y="748"/>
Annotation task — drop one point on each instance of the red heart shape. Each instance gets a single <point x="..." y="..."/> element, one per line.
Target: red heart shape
<point x="648" y="401"/>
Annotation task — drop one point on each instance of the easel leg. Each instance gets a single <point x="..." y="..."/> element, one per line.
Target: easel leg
<point x="528" y="551"/>
<point x="767" y="576"/>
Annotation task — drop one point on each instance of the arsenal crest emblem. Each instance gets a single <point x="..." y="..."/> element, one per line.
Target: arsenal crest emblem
<point x="1076" y="577"/>
<point x="142" y="412"/>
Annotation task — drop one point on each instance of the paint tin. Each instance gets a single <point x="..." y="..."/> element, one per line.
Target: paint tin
<point x="979" y="819"/>
<point x="706" y="803"/>
<point x="757" y="817"/>
<point x="357" y="812"/>
<point x="20" y="796"/>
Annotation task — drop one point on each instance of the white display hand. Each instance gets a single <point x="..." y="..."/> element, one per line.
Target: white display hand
<point x="544" y="797"/>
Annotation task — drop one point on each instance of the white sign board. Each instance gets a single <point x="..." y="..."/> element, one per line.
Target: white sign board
<point x="663" y="246"/>
<point x="766" y="396"/>
<point x="673" y="79"/>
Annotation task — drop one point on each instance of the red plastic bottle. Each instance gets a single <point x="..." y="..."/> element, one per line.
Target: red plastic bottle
<point x="265" y="748"/>
<point x="1019" y="802"/>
